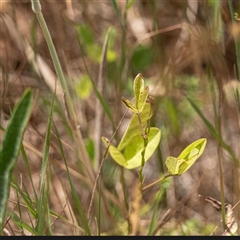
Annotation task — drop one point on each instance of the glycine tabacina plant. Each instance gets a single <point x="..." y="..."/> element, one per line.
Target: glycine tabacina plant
<point x="140" y="140"/>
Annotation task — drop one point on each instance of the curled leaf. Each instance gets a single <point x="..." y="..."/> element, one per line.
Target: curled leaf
<point x="186" y="158"/>
<point x="129" y="105"/>
<point x="173" y="164"/>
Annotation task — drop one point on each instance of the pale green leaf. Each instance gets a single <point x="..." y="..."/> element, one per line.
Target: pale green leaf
<point x="173" y="164"/>
<point x="142" y="99"/>
<point x="132" y="152"/>
<point x="132" y="158"/>
<point x="129" y="105"/>
<point x="195" y="148"/>
<point x="134" y="127"/>
<point x="138" y="87"/>
<point x="115" y="153"/>
<point x="186" y="158"/>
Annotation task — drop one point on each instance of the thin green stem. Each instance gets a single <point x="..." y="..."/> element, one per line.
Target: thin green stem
<point x="221" y="185"/>
<point x="36" y="6"/>
<point x="145" y="140"/>
<point x="236" y="39"/>
<point x="218" y="123"/>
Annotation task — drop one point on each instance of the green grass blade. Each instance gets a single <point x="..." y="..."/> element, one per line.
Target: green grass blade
<point x="11" y="146"/>
<point x="49" y="229"/>
<point x="215" y="134"/>
<point x="74" y="192"/>
<point x="42" y="209"/>
<point x="210" y="127"/>
<point x="236" y="39"/>
<point x="42" y="203"/>
<point x="115" y="6"/>
<point x="19" y="210"/>
<point x="157" y="199"/>
<point x="47" y="144"/>
<point x="20" y="223"/>
<point x="25" y="158"/>
<point x="129" y="4"/>
<point x="28" y="202"/>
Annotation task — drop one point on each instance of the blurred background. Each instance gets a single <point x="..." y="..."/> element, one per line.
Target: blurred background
<point x="182" y="49"/>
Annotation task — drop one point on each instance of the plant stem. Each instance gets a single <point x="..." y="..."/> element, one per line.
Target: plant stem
<point x="157" y="181"/>
<point x="36" y="7"/>
<point x="236" y="39"/>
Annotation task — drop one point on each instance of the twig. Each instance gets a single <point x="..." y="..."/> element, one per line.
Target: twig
<point x="99" y="109"/>
<point x="157" y="181"/>
<point x="100" y="166"/>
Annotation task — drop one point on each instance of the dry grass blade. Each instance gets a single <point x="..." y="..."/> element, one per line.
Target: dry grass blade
<point x="74" y="173"/>
<point x="99" y="109"/>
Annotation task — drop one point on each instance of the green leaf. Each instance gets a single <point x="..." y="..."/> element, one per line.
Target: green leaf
<point x="115" y="153"/>
<point x="131" y="158"/>
<point x="134" y="127"/>
<point x="129" y="105"/>
<point x="142" y="99"/>
<point x="133" y="151"/>
<point x="187" y="157"/>
<point x="140" y="92"/>
<point x="138" y="88"/>
<point x="173" y="164"/>
<point x="73" y="189"/>
<point x="141" y="95"/>
<point x="195" y="149"/>
<point x="11" y="146"/>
